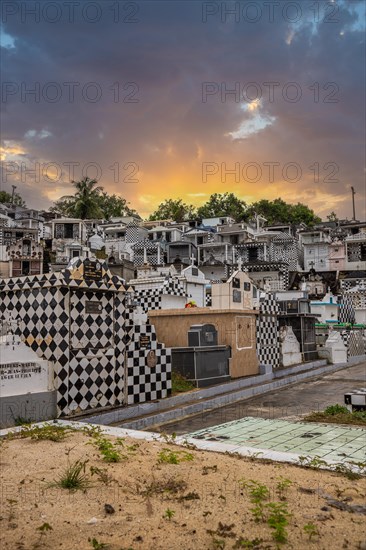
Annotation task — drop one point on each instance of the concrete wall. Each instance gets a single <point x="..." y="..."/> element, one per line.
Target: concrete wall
<point x="30" y="407"/>
<point x="235" y="328"/>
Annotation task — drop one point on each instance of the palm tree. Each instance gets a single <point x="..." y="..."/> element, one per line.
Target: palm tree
<point x="85" y="204"/>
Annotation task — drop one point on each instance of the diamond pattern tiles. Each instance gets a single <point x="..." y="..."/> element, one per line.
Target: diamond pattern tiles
<point x="84" y="329"/>
<point x="147" y="383"/>
<point x="268" y="349"/>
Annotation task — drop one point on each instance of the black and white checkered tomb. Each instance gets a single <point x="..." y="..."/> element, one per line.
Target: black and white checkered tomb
<point x="88" y="351"/>
<point x="145" y="383"/>
<point x="268" y="347"/>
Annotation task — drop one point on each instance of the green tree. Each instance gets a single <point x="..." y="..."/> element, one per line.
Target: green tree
<point x="114" y="206"/>
<point x="7" y="198"/>
<point x="280" y="212"/>
<point x="176" y="210"/>
<point x="63" y="206"/>
<point x="332" y="217"/>
<point x="86" y="199"/>
<point x="224" y="204"/>
<point x="91" y="201"/>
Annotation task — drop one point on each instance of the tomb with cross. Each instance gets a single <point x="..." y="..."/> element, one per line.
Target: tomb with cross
<point x="236" y="293"/>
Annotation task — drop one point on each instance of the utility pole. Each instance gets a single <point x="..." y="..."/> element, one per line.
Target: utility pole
<point x="353" y="204"/>
<point x="12" y="194"/>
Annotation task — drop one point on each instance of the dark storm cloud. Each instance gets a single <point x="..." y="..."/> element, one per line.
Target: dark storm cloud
<point x="168" y="53"/>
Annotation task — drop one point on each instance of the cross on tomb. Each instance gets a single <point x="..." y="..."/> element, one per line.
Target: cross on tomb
<point x="240" y="263"/>
<point x="193" y="260"/>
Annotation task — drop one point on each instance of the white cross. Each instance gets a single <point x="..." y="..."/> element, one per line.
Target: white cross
<point x="193" y="259"/>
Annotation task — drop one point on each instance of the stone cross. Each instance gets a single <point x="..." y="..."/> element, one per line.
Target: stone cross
<point x="240" y="263"/>
<point x="193" y="259"/>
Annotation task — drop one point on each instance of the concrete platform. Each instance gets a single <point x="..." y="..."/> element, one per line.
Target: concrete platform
<point x="290" y="403"/>
<point x="327" y="441"/>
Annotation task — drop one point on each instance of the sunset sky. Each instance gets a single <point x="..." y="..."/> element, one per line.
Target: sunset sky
<point x="137" y="98"/>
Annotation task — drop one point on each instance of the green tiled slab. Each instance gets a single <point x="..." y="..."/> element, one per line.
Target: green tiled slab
<point x="303" y="438"/>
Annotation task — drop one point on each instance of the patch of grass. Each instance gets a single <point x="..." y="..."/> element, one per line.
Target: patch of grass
<point x="338" y="414"/>
<point x="346" y="470"/>
<point x="111" y="452"/>
<point x="336" y="409"/>
<point x="180" y="384"/>
<point x="107" y="449"/>
<point x="314" y="462"/>
<point x="343" y="468"/>
<point x="74" y="478"/>
<point x="167" y="456"/>
<point x="21" y="421"/>
<point x="48" y="432"/>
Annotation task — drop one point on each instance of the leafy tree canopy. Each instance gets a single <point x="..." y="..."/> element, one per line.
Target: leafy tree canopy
<point x="7" y="198"/>
<point x="280" y="212"/>
<point x="225" y="204"/>
<point x="91" y="201"/>
<point x="176" y="210"/>
<point x="332" y="217"/>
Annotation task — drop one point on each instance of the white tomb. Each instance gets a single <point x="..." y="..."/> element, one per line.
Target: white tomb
<point x="334" y="349"/>
<point x="327" y="308"/>
<point x="289" y="347"/>
<point x="21" y="370"/>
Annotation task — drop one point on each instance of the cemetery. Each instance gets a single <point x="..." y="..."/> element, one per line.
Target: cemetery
<point x="97" y="343"/>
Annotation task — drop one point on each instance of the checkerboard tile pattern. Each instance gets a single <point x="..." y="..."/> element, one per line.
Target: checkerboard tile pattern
<point x="150" y="298"/>
<point x="346" y="311"/>
<point x="151" y="251"/>
<point x="87" y="349"/>
<point x="354" y="342"/>
<point x="88" y="369"/>
<point x="268" y="347"/>
<point x="132" y="233"/>
<point x="348" y="284"/>
<point x="145" y="383"/>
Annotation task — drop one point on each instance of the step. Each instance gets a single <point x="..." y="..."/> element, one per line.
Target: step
<point x="146" y="414"/>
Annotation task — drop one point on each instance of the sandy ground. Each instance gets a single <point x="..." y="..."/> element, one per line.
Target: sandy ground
<point x="140" y="519"/>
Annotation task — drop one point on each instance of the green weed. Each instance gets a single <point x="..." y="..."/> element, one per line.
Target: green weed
<point x="180" y="384"/>
<point x="169" y="514"/>
<point x="48" y="432"/>
<point x="278" y="520"/>
<point x="258" y="494"/>
<point x="332" y="410"/>
<point x="311" y="530"/>
<point x="282" y="485"/>
<point x="103" y="475"/>
<point x="74" y="477"/>
<point x="254" y="544"/>
<point x="98" y="545"/>
<point x="167" y="456"/>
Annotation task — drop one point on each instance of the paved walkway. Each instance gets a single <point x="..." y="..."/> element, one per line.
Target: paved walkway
<point x="290" y="403"/>
<point x="329" y="442"/>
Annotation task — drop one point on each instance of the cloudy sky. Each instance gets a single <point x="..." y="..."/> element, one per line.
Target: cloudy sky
<point x="162" y="99"/>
